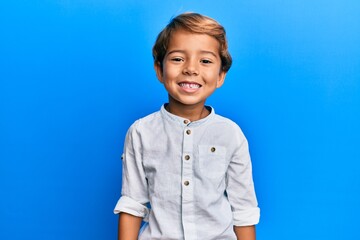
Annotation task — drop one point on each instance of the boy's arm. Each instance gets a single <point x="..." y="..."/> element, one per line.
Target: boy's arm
<point x="134" y="188"/>
<point x="245" y="233"/>
<point x="129" y="226"/>
<point x="240" y="190"/>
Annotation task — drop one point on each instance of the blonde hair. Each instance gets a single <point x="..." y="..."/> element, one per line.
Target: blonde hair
<point x="194" y="23"/>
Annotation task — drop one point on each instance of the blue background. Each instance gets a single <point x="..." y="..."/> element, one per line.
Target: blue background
<point x="75" y="74"/>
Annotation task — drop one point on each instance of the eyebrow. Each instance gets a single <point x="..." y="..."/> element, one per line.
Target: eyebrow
<point x="202" y="51"/>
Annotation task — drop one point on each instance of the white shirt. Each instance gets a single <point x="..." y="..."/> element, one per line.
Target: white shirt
<point x="196" y="176"/>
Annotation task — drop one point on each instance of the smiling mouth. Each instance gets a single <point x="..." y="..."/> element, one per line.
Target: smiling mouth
<point x="189" y="85"/>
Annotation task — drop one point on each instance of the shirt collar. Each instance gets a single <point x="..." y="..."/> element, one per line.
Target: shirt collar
<point x="184" y="121"/>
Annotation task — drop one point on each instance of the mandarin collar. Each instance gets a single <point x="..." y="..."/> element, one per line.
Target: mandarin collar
<point x="184" y="121"/>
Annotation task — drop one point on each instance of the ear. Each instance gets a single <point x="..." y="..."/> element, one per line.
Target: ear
<point x="158" y="70"/>
<point x="221" y="79"/>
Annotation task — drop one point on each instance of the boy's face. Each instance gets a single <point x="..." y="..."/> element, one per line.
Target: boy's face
<point x="191" y="68"/>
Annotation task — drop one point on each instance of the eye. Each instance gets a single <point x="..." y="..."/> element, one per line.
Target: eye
<point x="176" y="59"/>
<point x="206" y="61"/>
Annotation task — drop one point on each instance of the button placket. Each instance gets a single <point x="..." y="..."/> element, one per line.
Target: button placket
<point x="187" y="172"/>
<point x="188" y="182"/>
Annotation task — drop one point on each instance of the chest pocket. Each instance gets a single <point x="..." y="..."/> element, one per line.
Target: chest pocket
<point x="212" y="161"/>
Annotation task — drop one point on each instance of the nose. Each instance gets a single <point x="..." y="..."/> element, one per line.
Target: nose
<point x="191" y="68"/>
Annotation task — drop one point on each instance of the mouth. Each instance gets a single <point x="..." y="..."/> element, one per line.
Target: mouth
<point x="189" y="85"/>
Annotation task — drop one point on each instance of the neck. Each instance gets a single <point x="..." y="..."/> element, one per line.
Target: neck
<point x="191" y="112"/>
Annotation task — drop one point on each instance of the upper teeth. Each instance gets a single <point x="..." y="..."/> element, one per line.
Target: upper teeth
<point x="190" y="85"/>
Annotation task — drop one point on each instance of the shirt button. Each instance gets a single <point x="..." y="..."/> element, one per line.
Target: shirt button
<point x="188" y="132"/>
<point x="187" y="157"/>
<point x="213" y="149"/>
<point x="186" y="183"/>
<point x="186" y="121"/>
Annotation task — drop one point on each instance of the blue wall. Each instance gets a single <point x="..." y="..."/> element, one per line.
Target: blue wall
<point x="75" y="74"/>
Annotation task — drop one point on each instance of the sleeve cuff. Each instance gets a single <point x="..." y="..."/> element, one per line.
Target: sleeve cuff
<point x="246" y="217"/>
<point x="130" y="206"/>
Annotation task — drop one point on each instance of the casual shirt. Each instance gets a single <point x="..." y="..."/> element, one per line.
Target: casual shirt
<point x="189" y="180"/>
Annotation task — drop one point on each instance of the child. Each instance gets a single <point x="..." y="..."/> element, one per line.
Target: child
<point x="187" y="170"/>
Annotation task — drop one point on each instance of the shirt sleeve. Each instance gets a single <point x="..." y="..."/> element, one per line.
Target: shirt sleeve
<point x="134" y="193"/>
<point x="240" y="186"/>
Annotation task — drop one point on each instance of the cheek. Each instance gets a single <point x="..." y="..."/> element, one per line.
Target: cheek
<point x="213" y="75"/>
<point x="170" y="73"/>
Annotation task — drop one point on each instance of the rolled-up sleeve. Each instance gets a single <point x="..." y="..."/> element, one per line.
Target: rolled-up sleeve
<point x="130" y="206"/>
<point x="134" y="185"/>
<point x="240" y="186"/>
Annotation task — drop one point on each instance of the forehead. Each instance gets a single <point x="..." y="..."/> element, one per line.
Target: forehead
<point x="187" y="41"/>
